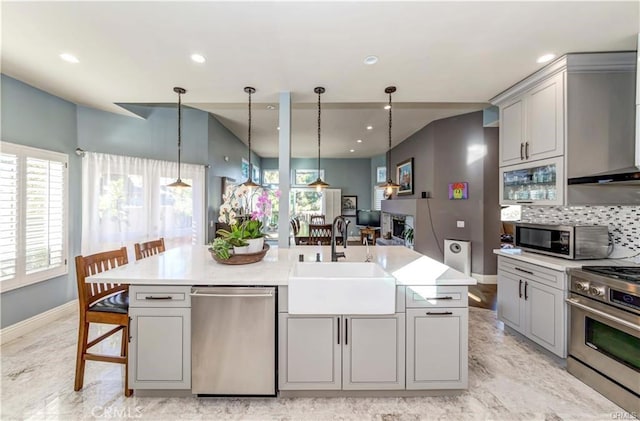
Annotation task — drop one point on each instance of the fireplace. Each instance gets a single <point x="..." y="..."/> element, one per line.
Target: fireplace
<point x="397" y="226"/>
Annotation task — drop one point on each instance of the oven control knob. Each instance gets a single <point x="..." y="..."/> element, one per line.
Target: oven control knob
<point x="582" y="286"/>
<point x="596" y="291"/>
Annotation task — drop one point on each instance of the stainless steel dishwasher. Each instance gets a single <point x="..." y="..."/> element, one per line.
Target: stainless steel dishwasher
<point x="233" y="341"/>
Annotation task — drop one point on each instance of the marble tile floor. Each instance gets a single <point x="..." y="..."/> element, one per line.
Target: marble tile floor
<point x="509" y="379"/>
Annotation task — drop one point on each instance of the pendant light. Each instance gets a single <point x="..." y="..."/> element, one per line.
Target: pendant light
<point x="319" y="184"/>
<point x="249" y="183"/>
<point x="179" y="182"/>
<point x="389" y="186"/>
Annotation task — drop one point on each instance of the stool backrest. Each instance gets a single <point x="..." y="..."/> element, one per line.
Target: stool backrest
<point x="89" y="293"/>
<point x="149" y="248"/>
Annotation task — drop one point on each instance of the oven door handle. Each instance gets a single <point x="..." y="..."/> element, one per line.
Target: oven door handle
<point x="576" y="303"/>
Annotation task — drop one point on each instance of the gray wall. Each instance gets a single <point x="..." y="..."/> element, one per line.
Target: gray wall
<point x="34" y="118"/>
<point x="446" y="151"/>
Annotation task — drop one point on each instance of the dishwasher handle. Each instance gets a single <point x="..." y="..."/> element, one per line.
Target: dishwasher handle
<point x="197" y="293"/>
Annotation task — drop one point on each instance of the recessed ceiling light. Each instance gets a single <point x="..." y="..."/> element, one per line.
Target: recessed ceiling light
<point x="69" y="58"/>
<point x="387" y="107"/>
<point x="370" y="60"/>
<point x="369" y="127"/>
<point x="278" y="127"/>
<point x="198" y="58"/>
<point x="545" y="58"/>
<point x="359" y="140"/>
<point x="351" y="150"/>
<point x="270" y="107"/>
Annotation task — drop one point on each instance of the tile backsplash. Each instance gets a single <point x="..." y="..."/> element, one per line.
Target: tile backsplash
<point x="623" y="222"/>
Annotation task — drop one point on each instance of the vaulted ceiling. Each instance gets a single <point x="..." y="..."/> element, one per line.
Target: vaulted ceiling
<point x="446" y="58"/>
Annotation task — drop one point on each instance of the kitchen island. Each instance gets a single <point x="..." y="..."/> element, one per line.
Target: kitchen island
<point x="418" y="350"/>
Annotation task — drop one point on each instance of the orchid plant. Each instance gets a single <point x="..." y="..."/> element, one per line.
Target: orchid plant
<point x="244" y="210"/>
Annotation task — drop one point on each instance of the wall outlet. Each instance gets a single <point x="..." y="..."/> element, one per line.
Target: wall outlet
<point x="460" y="224"/>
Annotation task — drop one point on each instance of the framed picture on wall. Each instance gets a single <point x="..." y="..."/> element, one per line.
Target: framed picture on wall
<point x="404" y="177"/>
<point x="349" y="205"/>
<point x="381" y="174"/>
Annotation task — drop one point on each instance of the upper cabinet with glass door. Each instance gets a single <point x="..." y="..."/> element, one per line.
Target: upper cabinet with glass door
<point x="540" y="183"/>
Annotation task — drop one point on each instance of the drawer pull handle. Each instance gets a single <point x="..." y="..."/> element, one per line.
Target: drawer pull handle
<point x="525" y="271"/>
<point x="439" y="313"/>
<point x="524" y="201"/>
<point x="439" y="298"/>
<point x="163" y="297"/>
<point x="520" y="289"/>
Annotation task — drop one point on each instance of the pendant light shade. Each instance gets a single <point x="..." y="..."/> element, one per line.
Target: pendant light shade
<point x="179" y="182"/>
<point x="319" y="184"/>
<point x="389" y="185"/>
<point x="249" y="183"/>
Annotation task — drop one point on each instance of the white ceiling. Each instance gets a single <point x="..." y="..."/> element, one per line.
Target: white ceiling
<point x="446" y="58"/>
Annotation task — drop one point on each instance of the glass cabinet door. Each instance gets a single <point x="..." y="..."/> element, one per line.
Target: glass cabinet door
<point x="538" y="182"/>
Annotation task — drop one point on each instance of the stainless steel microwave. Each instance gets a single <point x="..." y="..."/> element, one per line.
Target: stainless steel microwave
<point x="566" y="241"/>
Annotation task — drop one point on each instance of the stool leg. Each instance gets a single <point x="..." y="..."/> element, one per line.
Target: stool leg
<point x="125" y="334"/>
<point x="83" y="335"/>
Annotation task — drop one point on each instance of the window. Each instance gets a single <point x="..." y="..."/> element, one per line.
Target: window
<point x="304" y="177"/>
<point x="33" y="215"/>
<point x="127" y="200"/>
<point x="270" y="177"/>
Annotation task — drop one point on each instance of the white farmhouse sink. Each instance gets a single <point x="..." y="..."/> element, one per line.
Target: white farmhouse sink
<point x="341" y="288"/>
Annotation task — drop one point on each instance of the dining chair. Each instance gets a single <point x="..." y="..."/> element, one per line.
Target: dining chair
<point x="320" y="233"/>
<point x="317" y="220"/>
<point x="149" y="248"/>
<point x="105" y="303"/>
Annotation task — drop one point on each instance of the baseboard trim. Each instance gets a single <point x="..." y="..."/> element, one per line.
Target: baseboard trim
<point x="485" y="279"/>
<point x="16" y="330"/>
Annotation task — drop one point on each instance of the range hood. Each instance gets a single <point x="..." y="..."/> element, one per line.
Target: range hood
<point x="623" y="176"/>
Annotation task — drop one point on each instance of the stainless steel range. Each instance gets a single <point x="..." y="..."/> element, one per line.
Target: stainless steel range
<point x="604" y="341"/>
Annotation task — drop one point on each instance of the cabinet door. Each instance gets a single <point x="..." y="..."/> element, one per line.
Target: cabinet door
<point x="437" y="348"/>
<point x="511" y="300"/>
<point x="545" y="119"/>
<point x="160" y="348"/>
<point x="373" y="353"/>
<point x="538" y="182"/>
<point x="512" y="131"/>
<point x="545" y="317"/>
<point x="309" y="356"/>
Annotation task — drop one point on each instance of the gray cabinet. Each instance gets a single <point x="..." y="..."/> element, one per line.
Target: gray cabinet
<point x="341" y="352"/>
<point x="532" y="125"/>
<point x="437" y="337"/>
<point x="531" y="301"/>
<point x="160" y="337"/>
<point x="310" y="352"/>
<point x="511" y="300"/>
<point x="579" y="109"/>
<point x="373" y="356"/>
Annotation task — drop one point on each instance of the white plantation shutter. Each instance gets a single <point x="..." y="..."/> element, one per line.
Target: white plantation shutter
<point x="33" y="215"/>
<point x="378" y="198"/>
<point x="8" y="215"/>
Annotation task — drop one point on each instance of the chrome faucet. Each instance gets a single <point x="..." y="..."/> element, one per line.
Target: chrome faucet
<point x="345" y="224"/>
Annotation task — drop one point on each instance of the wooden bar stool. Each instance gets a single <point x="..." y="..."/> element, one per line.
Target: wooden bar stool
<point x="149" y="248"/>
<point x="102" y="303"/>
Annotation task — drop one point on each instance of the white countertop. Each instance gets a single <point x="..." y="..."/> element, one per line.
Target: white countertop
<point x="193" y="265"/>
<point x="557" y="263"/>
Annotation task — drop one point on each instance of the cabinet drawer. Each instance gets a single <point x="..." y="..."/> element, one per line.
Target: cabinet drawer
<point x="436" y="296"/>
<point x="553" y="278"/>
<point x="159" y="296"/>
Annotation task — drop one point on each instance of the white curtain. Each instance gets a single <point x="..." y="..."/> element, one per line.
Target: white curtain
<point x="126" y="200"/>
